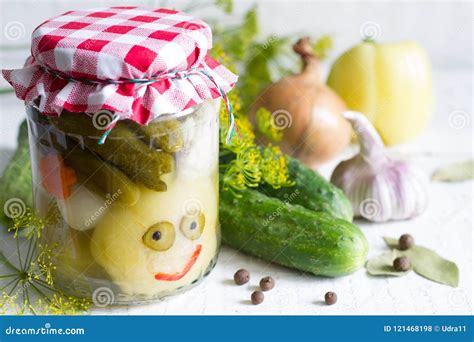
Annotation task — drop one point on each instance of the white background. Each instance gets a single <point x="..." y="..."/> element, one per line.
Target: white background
<point x="445" y="30"/>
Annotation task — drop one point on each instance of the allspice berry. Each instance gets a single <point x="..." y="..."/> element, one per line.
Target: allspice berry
<point x="330" y="298"/>
<point x="401" y="264"/>
<point x="241" y="277"/>
<point x="267" y="283"/>
<point x="257" y="297"/>
<point x="406" y="241"/>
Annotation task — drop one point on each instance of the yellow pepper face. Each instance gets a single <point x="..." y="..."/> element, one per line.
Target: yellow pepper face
<point x="390" y="83"/>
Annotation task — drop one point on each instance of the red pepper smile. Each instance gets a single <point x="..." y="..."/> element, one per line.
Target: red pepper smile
<point x="185" y="270"/>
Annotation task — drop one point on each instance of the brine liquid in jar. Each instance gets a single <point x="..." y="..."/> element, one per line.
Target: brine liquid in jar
<point x="138" y="214"/>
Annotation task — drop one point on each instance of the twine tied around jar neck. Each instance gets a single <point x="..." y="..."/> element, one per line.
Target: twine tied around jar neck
<point x="168" y="76"/>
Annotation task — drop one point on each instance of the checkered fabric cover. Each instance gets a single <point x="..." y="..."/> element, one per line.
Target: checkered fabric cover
<point x="101" y="59"/>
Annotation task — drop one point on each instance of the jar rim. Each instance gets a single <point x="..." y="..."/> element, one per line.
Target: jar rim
<point x="181" y="116"/>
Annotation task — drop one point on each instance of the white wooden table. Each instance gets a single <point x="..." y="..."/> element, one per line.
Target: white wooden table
<point x="446" y="226"/>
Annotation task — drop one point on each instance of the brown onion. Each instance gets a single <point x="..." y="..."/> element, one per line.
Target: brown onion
<point x="308" y="112"/>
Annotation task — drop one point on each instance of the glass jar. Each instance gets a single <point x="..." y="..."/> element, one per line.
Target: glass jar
<point x="135" y="219"/>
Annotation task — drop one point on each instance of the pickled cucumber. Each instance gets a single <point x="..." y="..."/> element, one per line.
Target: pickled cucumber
<point x="103" y="176"/>
<point x="160" y="236"/>
<point x="166" y="135"/>
<point x="122" y="148"/>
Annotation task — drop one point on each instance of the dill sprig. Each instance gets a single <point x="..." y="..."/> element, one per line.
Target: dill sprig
<point x="266" y="125"/>
<point x="243" y="163"/>
<point x="28" y="285"/>
<point x="29" y="224"/>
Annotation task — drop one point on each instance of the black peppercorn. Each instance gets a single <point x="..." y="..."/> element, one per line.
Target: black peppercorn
<point x="401" y="264"/>
<point x="330" y="298"/>
<point x="405" y="242"/>
<point x="257" y="297"/>
<point x="267" y="283"/>
<point x="241" y="277"/>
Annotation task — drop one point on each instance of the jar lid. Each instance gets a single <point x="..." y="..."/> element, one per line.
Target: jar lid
<point x="137" y="62"/>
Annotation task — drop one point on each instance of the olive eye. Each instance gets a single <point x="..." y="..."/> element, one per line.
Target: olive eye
<point x="160" y="236"/>
<point x="192" y="226"/>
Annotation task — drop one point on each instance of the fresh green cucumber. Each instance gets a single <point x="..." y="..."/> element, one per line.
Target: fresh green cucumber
<point x="15" y="182"/>
<point x="291" y="235"/>
<point x="311" y="191"/>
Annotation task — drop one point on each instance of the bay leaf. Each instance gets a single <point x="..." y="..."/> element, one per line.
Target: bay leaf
<point x="383" y="265"/>
<point x="431" y="265"/>
<point x="391" y="242"/>
<point x="456" y="172"/>
<point x="428" y="264"/>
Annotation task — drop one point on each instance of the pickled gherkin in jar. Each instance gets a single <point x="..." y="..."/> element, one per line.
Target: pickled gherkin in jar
<point x="166" y="135"/>
<point x="102" y="175"/>
<point x="122" y="149"/>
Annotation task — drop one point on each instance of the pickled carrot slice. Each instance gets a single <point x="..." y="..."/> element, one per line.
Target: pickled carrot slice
<point x="56" y="178"/>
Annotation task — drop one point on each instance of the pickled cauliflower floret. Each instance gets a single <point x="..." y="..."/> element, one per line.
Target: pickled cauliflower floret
<point x="83" y="209"/>
<point x="163" y="242"/>
<point x="200" y="149"/>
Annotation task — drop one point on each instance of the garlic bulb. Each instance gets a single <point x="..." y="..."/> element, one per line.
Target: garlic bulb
<point x="379" y="188"/>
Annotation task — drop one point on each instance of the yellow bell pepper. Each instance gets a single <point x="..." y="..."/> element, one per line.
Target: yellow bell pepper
<point x="390" y="83"/>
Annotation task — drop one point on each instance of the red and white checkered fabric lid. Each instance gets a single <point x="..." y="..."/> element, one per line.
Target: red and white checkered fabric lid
<point x="137" y="62"/>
